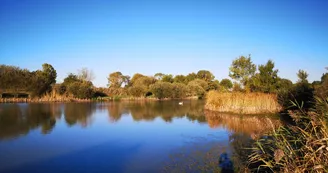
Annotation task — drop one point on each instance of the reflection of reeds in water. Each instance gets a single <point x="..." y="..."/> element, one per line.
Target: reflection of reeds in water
<point x="243" y="103"/>
<point x="255" y="126"/>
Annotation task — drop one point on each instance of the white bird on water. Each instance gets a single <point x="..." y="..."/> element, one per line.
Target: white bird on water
<point x="180" y="103"/>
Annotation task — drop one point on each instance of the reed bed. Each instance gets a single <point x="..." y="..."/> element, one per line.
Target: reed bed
<point x="49" y="97"/>
<point x="300" y="147"/>
<point x="242" y="103"/>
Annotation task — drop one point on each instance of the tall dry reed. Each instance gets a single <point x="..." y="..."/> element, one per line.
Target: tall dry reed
<point x="299" y="147"/>
<point x="242" y="103"/>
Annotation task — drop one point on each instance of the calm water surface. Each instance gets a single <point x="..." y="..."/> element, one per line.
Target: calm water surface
<point x="121" y="136"/>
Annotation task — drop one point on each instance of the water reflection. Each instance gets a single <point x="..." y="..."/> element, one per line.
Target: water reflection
<point x="139" y="132"/>
<point x="150" y="110"/>
<point x="251" y="125"/>
<point x="202" y="155"/>
<point x="20" y="119"/>
<point x="16" y="119"/>
<point x="79" y="113"/>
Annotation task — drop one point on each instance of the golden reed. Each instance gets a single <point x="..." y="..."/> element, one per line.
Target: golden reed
<point x="242" y="103"/>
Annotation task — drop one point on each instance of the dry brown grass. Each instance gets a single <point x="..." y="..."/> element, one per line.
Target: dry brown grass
<point x="49" y="97"/>
<point x="242" y="103"/>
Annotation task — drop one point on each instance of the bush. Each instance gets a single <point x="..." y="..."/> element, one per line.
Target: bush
<point x="179" y="90"/>
<point x="137" y="91"/>
<point x="161" y="90"/>
<point x="81" y="90"/>
<point x="195" y="89"/>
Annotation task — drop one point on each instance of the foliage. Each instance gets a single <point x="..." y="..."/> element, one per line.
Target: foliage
<point x="159" y="76"/>
<point x="322" y="90"/>
<point x="167" y="78"/>
<point x="237" y="87"/>
<point x="302" y="76"/>
<point x="144" y="81"/>
<point x="179" y="90"/>
<point x="135" y="77"/>
<point x="242" y="69"/>
<point x="180" y="79"/>
<point x="117" y="79"/>
<point x="196" y="90"/>
<point x="213" y="85"/>
<point x="199" y="82"/>
<point x="205" y="75"/>
<point x="266" y="79"/>
<point x="137" y="91"/>
<point x="80" y="90"/>
<point x="226" y="83"/>
<point x="161" y="89"/>
<point x="191" y="77"/>
<point x="37" y="82"/>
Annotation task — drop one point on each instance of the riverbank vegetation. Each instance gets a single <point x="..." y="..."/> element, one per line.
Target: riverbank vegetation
<point x="41" y="85"/>
<point x="242" y="103"/>
<point x="302" y="145"/>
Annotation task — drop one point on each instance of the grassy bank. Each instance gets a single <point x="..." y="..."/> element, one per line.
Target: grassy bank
<point x="242" y="103"/>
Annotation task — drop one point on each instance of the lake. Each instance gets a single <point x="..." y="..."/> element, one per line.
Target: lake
<point x="139" y="136"/>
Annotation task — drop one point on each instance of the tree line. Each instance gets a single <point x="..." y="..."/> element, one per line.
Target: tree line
<point x="247" y="77"/>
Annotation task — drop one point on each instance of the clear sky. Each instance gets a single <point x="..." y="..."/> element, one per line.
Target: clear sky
<point x="169" y="36"/>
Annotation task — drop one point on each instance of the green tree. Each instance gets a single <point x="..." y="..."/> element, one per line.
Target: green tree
<point x="266" y="79"/>
<point x="42" y="81"/>
<point x="199" y="82"/>
<point x="167" y="78"/>
<point x="226" y="83"/>
<point x="144" y="81"/>
<point x="191" y="77"/>
<point x="179" y="90"/>
<point x="136" y="77"/>
<point x="159" y="76"/>
<point x="242" y="69"/>
<point x="180" y="79"/>
<point x="302" y="76"/>
<point x="213" y="85"/>
<point x="137" y="91"/>
<point x="162" y="89"/>
<point x="117" y="79"/>
<point x="195" y="89"/>
<point x="205" y="75"/>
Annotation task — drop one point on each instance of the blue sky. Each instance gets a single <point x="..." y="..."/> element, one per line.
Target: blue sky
<point x="169" y="36"/>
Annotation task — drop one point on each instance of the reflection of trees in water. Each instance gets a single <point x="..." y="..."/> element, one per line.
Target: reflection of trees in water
<point x="149" y="110"/>
<point x="79" y="113"/>
<point x="204" y="156"/>
<point x="16" y="120"/>
<point x="255" y="126"/>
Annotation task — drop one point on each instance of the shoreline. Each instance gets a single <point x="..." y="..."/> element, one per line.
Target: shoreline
<point x="69" y="100"/>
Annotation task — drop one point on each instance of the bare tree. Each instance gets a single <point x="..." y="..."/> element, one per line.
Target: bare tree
<point x="85" y="74"/>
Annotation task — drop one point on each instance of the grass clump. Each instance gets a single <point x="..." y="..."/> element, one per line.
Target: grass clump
<point x="299" y="147"/>
<point x="242" y="103"/>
